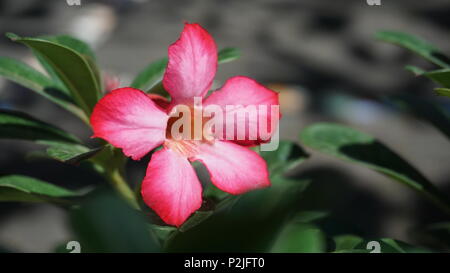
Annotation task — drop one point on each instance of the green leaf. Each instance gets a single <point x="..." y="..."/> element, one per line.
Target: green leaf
<point x="28" y="77"/>
<point x="300" y="238"/>
<point x="388" y="245"/>
<point x="417" y="71"/>
<point x="416" y="45"/>
<point x="357" y="147"/>
<point x="70" y="153"/>
<point x="309" y="216"/>
<point x="228" y="54"/>
<point x="346" y="242"/>
<point x="196" y="218"/>
<point x="424" y="108"/>
<point x="105" y="223"/>
<point x="285" y="158"/>
<point x="74" y="70"/>
<point x="27" y="189"/>
<point x="72" y="43"/>
<point x="443" y="91"/>
<point x="18" y="125"/>
<point x="163" y="233"/>
<point x="441" y="76"/>
<point x="151" y="75"/>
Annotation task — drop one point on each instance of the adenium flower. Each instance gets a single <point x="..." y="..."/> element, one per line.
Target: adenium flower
<point x="110" y="82"/>
<point x="138" y="123"/>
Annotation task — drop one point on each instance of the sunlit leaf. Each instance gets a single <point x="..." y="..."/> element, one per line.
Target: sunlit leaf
<point x="443" y="91"/>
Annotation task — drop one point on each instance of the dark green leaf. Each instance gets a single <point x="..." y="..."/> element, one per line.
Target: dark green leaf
<point x="65" y="40"/>
<point x="309" y="216"/>
<point x="72" y="43"/>
<point x="70" y="153"/>
<point x="285" y="158"/>
<point x="299" y="238"/>
<point x="357" y="147"/>
<point x="439" y="233"/>
<point x="32" y="185"/>
<point x="28" y="77"/>
<point x="27" y="189"/>
<point x="441" y="76"/>
<point x="443" y="91"/>
<point x="388" y="245"/>
<point x="196" y="218"/>
<point x="346" y="242"/>
<point x="163" y="232"/>
<point x="424" y="108"/>
<point x="106" y="223"/>
<point x="72" y="68"/>
<point x="150" y="76"/>
<point x="17" y="125"/>
<point x="416" y="45"/>
<point x="228" y="54"/>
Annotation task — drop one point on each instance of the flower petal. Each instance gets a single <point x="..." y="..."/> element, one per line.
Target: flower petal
<point x="233" y="168"/>
<point x="242" y="93"/>
<point x="171" y="187"/>
<point x="128" y="119"/>
<point x="192" y="64"/>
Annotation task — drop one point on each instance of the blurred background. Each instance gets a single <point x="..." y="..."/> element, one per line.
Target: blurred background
<point x="320" y="55"/>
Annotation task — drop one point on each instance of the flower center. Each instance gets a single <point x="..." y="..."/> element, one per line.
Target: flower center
<point x="186" y="130"/>
<point x="187" y="123"/>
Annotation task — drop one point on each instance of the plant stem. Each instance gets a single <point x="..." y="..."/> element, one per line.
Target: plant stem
<point x="120" y="185"/>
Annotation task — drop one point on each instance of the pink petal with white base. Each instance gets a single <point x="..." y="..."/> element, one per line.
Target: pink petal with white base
<point x="192" y="64"/>
<point x="242" y="92"/>
<point x="233" y="168"/>
<point x="171" y="187"/>
<point x="128" y="119"/>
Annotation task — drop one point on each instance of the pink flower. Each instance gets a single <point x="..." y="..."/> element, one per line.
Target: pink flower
<point x="110" y="82"/>
<point x="138" y="123"/>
